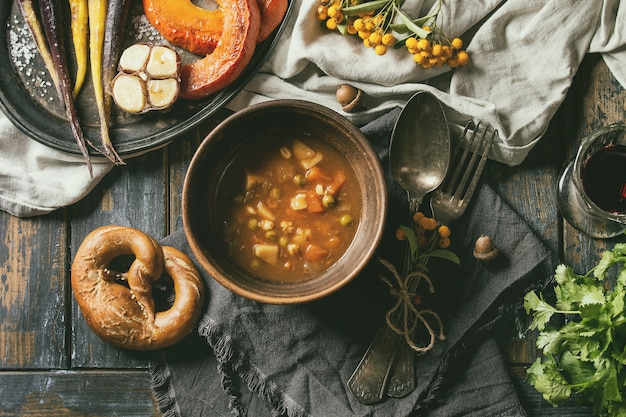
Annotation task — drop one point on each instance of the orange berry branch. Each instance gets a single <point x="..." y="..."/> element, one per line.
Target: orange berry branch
<point x="380" y="23"/>
<point x="409" y="317"/>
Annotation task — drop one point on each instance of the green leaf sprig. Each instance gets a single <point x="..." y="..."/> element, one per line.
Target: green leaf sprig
<point x="585" y="356"/>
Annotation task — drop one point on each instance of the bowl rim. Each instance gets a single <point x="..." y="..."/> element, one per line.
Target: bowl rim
<point x="298" y="106"/>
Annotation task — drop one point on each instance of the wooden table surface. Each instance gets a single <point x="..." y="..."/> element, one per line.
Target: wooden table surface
<point x="52" y="364"/>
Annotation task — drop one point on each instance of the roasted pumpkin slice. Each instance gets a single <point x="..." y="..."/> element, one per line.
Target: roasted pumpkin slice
<point x="231" y="55"/>
<point x="198" y="30"/>
<point x="272" y="14"/>
<point x="186" y="25"/>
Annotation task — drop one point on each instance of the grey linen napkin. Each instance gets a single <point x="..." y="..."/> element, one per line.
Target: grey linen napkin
<point x="254" y="359"/>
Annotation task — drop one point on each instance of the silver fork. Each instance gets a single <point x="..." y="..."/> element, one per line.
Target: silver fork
<point x="449" y="201"/>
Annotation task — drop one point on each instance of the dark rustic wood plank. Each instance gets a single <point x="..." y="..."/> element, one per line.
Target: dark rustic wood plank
<point x="530" y="190"/>
<point x="76" y="394"/>
<point x="133" y="195"/>
<point x="33" y="303"/>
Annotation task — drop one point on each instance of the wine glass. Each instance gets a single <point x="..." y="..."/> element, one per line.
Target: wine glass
<point x="592" y="188"/>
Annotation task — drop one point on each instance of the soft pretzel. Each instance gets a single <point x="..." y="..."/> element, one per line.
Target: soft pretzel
<point x="125" y="316"/>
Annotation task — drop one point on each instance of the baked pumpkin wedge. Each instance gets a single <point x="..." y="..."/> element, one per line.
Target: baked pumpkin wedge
<point x="186" y="25"/>
<point x="272" y="14"/>
<point x="232" y="54"/>
<point x="198" y="30"/>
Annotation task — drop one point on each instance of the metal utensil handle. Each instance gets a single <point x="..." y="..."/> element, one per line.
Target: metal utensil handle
<point x="368" y="382"/>
<point x="401" y="380"/>
<point x="388" y="366"/>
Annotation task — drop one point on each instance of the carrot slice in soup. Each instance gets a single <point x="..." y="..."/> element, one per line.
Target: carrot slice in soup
<point x="339" y="180"/>
<point x="317" y="174"/>
<point x="314" y="203"/>
<point x="315" y="253"/>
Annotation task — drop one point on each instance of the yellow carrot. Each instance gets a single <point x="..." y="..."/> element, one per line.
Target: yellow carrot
<point x="97" y="20"/>
<point x="30" y="17"/>
<point x="80" y="31"/>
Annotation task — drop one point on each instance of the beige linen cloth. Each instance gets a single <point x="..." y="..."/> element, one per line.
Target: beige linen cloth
<point x="524" y="54"/>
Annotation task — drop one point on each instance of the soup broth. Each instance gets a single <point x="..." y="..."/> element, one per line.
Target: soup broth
<point x="289" y="207"/>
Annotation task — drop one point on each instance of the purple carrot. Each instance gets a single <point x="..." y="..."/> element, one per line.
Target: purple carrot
<point x="58" y="68"/>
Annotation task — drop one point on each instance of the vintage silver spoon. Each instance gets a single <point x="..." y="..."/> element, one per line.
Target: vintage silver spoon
<point x="419" y="152"/>
<point x="419" y="156"/>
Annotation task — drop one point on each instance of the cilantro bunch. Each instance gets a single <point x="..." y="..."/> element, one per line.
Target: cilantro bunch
<point x="585" y="354"/>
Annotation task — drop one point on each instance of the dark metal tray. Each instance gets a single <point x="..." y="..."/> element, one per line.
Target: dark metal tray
<point x="29" y="99"/>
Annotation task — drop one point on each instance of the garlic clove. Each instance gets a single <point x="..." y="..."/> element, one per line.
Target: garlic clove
<point x="134" y="58"/>
<point x="163" y="62"/>
<point x="129" y="92"/>
<point x="162" y="93"/>
<point x="148" y="78"/>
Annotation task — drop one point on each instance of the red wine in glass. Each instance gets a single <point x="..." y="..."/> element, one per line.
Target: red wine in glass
<point x="604" y="178"/>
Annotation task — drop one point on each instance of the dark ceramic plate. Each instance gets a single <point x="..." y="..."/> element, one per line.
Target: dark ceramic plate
<point x="29" y="99"/>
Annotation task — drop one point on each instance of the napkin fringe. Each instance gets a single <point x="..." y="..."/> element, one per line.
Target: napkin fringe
<point x="236" y="369"/>
<point x="162" y="390"/>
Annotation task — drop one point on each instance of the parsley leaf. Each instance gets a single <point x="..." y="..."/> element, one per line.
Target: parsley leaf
<point x="547" y="379"/>
<point x="584" y="352"/>
<point x="542" y="310"/>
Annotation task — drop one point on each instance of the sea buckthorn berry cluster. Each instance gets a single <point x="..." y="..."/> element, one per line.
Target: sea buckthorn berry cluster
<point x="330" y="13"/>
<point x="430" y="54"/>
<point x="425" y="224"/>
<point x="444" y="236"/>
<point x="371" y="28"/>
<point x="374" y="22"/>
<point x="427" y="231"/>
<point x="372" y="31"/>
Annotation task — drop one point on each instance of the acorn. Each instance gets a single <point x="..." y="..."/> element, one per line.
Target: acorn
<point x="349" y="97"/>
<point x="484" y="249"/>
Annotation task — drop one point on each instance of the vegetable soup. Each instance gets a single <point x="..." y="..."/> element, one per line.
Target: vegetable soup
<point x="289" y="207"/>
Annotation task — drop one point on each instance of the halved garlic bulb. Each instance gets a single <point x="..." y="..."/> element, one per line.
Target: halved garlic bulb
<point x="148" y="78"/>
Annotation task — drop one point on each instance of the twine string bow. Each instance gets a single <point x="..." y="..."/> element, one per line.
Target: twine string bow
<point x="404" y="316"/>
